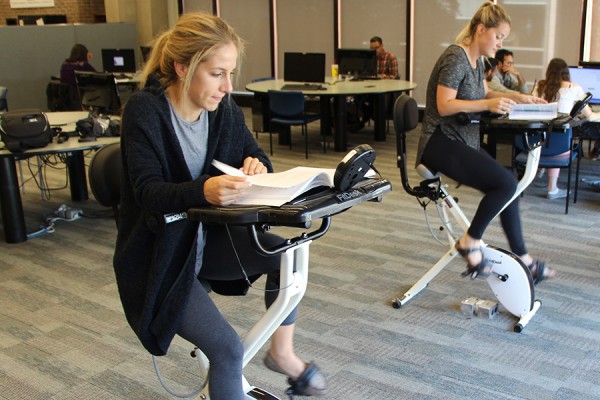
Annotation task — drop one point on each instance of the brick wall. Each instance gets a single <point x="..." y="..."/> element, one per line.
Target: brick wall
<point x="82" y="11"/>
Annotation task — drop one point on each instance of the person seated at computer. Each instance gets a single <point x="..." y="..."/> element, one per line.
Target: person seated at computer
<point x="182" y="120"/>
<point x="507" y="79"/>
<point x="557" y="87"/>
<point x="387" y="64"/>
<point x="387" y="68"/>
<point x="77" y="61"/>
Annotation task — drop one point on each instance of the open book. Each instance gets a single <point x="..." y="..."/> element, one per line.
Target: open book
<point x="278" y="188"/>
<point x="534" y="112"/>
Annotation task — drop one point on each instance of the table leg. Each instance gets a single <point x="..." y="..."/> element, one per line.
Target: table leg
<point x="340" y="124"/>
<point x="13" y="219"/>
<point x="325" y="109"/>
<point x="379" y="116"/>
<point x="77" y="179"/>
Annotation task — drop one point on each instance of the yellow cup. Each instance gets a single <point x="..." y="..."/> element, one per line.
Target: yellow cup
<point x="334" y="71"/>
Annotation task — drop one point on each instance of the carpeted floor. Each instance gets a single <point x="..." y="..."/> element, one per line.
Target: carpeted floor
<point x="63" y="334"/>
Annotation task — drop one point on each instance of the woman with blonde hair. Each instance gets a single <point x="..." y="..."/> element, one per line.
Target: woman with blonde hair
<point x="173" y="129"/>
<point x="457" y="85"/>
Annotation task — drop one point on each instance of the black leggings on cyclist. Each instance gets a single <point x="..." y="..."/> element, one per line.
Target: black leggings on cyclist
<point x="477" y="169"/>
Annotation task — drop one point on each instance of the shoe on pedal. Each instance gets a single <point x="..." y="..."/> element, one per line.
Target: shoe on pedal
<point x="310" y="383"/>
<point x="481" y="270"/>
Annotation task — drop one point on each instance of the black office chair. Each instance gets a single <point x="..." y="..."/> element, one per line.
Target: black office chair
<point x="257" y="109"/>
<point x="559" y="142"/>
<point x="104" y="175"/>
<point x="287" y="108"/>
<point x="62" y="97"/>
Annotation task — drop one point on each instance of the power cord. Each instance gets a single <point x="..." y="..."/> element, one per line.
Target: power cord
<point x="196" y="392"/>
<point x="63" y="213"/>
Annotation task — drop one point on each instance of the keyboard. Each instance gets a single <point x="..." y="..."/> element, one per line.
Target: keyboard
<point x="302" y="86"/>
<point x="123" y="75"/>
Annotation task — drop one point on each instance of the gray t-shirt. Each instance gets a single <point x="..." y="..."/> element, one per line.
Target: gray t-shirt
<point x="193" y="139"/>
<point x="452" y="70"/>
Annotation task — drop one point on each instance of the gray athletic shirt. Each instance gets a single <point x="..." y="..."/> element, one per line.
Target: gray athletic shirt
<point x="193" y="139"/>
<point x="452" y="70"/>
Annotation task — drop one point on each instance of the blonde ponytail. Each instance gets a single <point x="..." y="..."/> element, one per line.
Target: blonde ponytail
<point x="488" y="14"/>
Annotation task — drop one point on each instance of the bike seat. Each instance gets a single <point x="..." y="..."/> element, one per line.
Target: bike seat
<point x="426" y="173"/>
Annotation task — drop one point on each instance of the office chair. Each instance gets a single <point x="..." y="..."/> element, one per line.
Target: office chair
<point x="3" y="100"/>
<point x="61" y="96"/>
<point x="287" y="109"/>
<point x="104" y="176"/>
<point x="257" y="109"/>
<point x="559" y="142"/>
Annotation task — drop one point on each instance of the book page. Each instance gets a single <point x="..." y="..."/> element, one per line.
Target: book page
<point x="533" y="112"/>
<point x="275" y="189"/>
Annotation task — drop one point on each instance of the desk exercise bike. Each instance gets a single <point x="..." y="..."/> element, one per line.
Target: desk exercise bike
<point x="349" y="190"/>
<point x="510" y="279"/>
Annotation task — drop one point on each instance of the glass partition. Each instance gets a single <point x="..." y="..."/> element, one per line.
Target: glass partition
<point x="252" y="23"/>
<point x="361" y="20"/>
<point x="304" y="26"/>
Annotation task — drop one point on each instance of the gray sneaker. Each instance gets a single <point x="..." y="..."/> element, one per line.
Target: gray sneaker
<point x="559" y="194"/>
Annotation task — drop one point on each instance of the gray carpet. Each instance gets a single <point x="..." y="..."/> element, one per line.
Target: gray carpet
<point x="63" y="334"/>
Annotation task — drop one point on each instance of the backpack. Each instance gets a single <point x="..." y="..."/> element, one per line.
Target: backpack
<point x="25" y="129"/>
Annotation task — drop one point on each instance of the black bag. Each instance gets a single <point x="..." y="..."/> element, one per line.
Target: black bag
<point x="25" y="129"/>
<point x="97" y="126"/>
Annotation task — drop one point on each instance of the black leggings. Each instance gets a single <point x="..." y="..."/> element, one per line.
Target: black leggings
<point x="203" y="325"/>
<point x="477" y="169"/>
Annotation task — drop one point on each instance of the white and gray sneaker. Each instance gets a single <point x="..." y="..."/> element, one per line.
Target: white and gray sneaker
<point x="557" y="194"/>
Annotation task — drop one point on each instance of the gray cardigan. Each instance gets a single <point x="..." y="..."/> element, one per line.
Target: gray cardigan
<point x="152" y="262"/>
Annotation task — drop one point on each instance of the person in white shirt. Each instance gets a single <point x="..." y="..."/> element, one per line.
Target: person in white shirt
<point x="557" y="87"/>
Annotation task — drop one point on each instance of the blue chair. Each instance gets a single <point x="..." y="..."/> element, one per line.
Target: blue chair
<point x="558" y="143"/>
<point x="287" y="109"/>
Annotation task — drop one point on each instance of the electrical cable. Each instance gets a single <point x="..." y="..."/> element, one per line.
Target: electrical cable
<point x="169" y="390"/>
<point x="244" y="271"/>
<point x="63" y="213"/>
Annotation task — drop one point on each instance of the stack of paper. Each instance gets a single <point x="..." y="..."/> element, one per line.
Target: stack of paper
<point x="278" y="188"/>
<point x="533" y="112"/>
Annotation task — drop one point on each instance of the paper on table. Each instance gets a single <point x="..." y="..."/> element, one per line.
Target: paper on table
<point x="534" y="112"/>
<point x="275" y="189"/>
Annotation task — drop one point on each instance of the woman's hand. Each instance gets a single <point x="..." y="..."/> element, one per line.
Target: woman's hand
<point x="223" y="190"/>
<point x="500" y="105"/>
<point x="253" y="166"/>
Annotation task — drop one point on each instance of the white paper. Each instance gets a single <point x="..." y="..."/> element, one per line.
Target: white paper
<point x="277" y="188"/>
<point x="533" y="112"/>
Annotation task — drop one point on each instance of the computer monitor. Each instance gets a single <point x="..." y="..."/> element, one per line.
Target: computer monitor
<point x="357" y="62"/>
<point x="98" y="92"/>
<point x="304" y="67"/>
<point x="118" y="60"/>
<point x="589" y="80"/>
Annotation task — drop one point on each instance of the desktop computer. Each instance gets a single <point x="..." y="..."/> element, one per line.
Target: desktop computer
<point x="358" y="63"/>
<point x="119" y="61"/>
<point x="589" y="80"/>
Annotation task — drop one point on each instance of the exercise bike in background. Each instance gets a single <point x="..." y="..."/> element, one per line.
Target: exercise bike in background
<point x="510" y="280"/>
